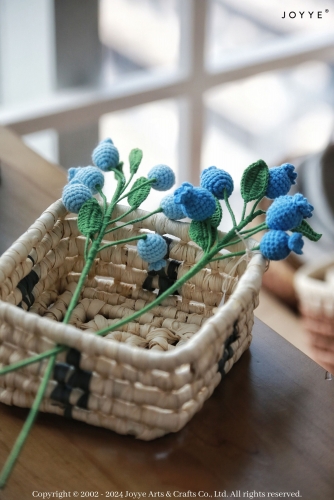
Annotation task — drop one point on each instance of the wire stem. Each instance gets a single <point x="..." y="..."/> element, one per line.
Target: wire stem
<point x="227" y="203"/>
<point x="22" y="437"/>
<point x="133" y="190"/>
<point x="120" y="242"/>
<point x="134" y="221"/>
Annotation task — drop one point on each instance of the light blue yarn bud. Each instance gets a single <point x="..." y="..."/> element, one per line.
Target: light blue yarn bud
<point x="75" y="195"/>
<point x="164" y="175"/>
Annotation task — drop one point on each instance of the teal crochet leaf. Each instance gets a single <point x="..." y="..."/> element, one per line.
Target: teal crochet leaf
<point x="136" y="199"/>
<point x="90" y="217"/>
<point x="199" y="233"/>
<point x="135" y="158"/>
<point x="305" y="229"/>
<point x="254" y="181"/>
<point x="217" y="216"/>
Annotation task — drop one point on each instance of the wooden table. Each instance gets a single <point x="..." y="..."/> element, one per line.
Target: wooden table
<point x="268" y="427"/>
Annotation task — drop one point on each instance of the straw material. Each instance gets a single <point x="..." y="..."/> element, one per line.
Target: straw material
<point x="152" y="375"/>
<point x="315" y="289"/>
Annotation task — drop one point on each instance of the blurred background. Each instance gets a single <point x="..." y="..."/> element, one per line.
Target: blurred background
<point x="193" y="83"/>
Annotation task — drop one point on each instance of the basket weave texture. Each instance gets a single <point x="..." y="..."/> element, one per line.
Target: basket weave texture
<point x="154" y="374"/>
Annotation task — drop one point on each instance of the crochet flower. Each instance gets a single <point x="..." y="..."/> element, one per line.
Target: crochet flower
<point x="92" y="177"/>
<point x="171" y="209"/>
<point x="105" y="155"/>
<point x="287" y="212"/>
<point x="216" y="181"/>
<point x="196" y="202"/>
<point x="72" y="172"/>
<point x="75" y="195"/>
<point x="152" y="249"/>
<point x="164" y="175"/>
<point x="280" y="180"/>
<point x="276" y="245"/>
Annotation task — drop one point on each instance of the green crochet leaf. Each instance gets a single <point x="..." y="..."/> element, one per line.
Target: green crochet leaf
<point x="90" y="217"/>
<point x="305" y="229"/>
<point x="136" y="199"/>
<point x="254" y="181"/>
<point x="199" y="233"/>
<point x="217" y="216"/>
<point x="135" y="158"/>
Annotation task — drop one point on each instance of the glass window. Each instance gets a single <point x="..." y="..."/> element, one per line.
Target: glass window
<point x="236" y="26"/>
<point x="154" y="129"/>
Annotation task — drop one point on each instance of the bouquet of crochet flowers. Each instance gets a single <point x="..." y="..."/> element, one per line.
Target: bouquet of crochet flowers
<point x="285" y="224"/>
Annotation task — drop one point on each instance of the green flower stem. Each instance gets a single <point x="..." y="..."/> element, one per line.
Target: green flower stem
<point x="22" y="437"/>
<point x="235" y="254"/>
<point x="103" y="196"/>
<point x="256" y="204"/>
<point x="228" y="237"/>
<point x="134" y="221"/>
<point x="260" y="227"/>
<point x="244" y="211"/>
<point x="120" y="217"/>
<point x="86" y="248"/>
<point x="120" y="242"/>
<point x="133" y="190"/>
<point x="33" y="359"/>
<point x="13" y="456"/>
<point x="227" y="203"/>
<point x="209" y="228"/>
<point x="239" y="240"/>
<point x="129" y="181"/>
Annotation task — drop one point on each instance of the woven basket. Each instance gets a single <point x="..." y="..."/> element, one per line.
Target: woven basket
<point x="314" y="284"/>
<point x="151" y="377"/>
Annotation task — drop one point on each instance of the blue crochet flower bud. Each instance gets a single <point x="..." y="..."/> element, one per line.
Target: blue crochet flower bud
<point x="75" y="195"/>
<point x="280" y="180"/>
<point x="105" y="155"/>
<point x="216" y="181"/>
<point x="72" y="172"/>
<point x="276" y="244"/>
<point x="196" y="202"/>
<point x="92" y="177"/>
<point x="171" y="209"/>
<point x="152" y="250"/>
<point x="164" y="175"/>
<point x="287" y="212"/>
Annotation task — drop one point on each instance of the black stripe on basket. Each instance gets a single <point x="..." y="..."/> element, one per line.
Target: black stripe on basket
<point x="73" y="377"/>
<point x="73" y="357"/>
<point x="164" y="284"/>
<point x="172" y="269"/>
<point x="82" y="403"/>
<point x="61" y="393"/>
<point x="80" y="379"/>
<point x="26" y="286"/>
<point x="31" y="258"/>
<point x="168" y="241"/>
<point x="228" y="351"/>
<point x="148" y="282"/>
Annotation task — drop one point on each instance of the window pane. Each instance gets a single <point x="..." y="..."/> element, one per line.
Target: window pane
<point x="276" y="116"/>
<point x="138" y="35"/>
<point x="236" y="25"/>
<point x="152" y="128"/>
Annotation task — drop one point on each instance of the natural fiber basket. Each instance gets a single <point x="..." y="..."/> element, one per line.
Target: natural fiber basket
<point x="151" y="377"/>
<point x="314" y="284"/>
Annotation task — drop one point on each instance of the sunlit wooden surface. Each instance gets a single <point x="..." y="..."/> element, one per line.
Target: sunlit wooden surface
<point x="267" y="427"/>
